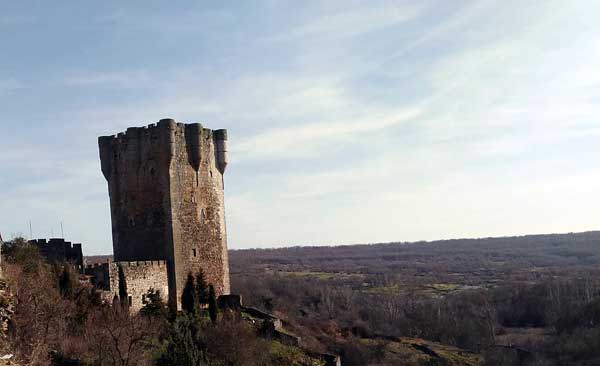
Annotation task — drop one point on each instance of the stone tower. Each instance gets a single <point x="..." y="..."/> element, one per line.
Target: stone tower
<point x="165" y="183"/>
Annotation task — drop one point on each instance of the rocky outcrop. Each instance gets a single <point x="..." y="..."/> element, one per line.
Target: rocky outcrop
<point x="6" y="312"/>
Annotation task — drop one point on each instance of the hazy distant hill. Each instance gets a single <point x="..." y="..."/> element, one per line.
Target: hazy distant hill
<point x="526" y="257"/>
<point x="91" y="259"/>
<point x="572" y="252"/>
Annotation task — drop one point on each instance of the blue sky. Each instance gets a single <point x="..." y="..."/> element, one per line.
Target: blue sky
<point x="349" y="122"/>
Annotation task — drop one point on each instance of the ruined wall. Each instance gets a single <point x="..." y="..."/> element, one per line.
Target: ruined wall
<point x="59" y="250"/>
<point x="166" y="193"/>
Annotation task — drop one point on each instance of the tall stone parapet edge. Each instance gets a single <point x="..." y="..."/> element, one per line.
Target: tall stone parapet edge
<point x="110" y="147"/>
<point x="166" y="128"/>
<point x="221" y="152"/>
<point x="194" y="134"/>
<point x="157" y="263"/>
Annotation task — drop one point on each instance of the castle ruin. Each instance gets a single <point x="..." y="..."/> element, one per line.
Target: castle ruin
<point x="59" y="250"/>
<point x="166" y="188"/>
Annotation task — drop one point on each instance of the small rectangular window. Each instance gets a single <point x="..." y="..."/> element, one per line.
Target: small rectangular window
<point x="129" y="300"/>
<point x="194" y="252"/>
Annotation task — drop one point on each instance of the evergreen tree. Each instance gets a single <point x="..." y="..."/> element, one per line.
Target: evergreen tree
<point x="153" y="306"/>
<point x="189" y="299"/>
<point x="201" y="288"/>
<point x="183" y="345"/>
<point x="212" y="304"/>
<point x="122" y="288"/>
<point x="27" y="256"/>
<point x="116" y="302"/>
<point x="66" y="283"/>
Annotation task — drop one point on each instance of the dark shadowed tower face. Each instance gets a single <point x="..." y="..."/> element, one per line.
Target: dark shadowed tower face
<point x="165" y="184"/>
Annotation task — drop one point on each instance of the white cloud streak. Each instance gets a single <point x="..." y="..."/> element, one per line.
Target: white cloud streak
<point x="352" y="21"/>
<point x="483" y="123"/>
<point x="310" y="139"/>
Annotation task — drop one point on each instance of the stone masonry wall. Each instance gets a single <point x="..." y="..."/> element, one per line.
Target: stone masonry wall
<point x="166" y="193"/>
<point x="140" y="277"/>
<point x="137" y="277"/>
<point x="136" y="166"/>
<point x="199" y="234"/>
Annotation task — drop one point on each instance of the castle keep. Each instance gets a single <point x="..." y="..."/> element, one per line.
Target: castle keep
<point x="165" y="183"/>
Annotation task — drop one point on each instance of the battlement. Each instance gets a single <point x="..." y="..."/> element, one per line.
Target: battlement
<point x="55" y="242"/>
<point x="97" y="265"/>
<point x="158" y="141"/>
<point x="57" y="249"/>
<point x="162" y="125"/>
<point x="158" y="263"/>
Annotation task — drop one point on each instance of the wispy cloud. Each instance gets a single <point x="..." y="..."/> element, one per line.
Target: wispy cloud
<point x="311" y="139"/>
<point x="10" y="85"/>
<point x="351" y="21"/>
<point x="376" y="121"/>
<point x="119" y="78"/>
<point x="10" y="20"/>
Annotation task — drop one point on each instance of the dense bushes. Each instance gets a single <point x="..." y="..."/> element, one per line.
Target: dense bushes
<point x="56" y="318"/>
<point x="469" y="319"/>
<point x="59" y="320"/>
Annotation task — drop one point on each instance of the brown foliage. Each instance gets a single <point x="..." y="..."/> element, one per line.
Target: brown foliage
<point x="114" y="337"/>
<point x="234" y="343"/>
<point x="40" y="320"/>
<point x="73" y="324"/>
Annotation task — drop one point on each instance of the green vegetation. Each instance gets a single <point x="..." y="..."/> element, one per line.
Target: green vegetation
<point x="154" y="306"/>
<point x="406" y="350"/>
<point x="189" y="297"/>
<point x="326" y="275"/>
<point x="212" y="304"/>
<point x="290" y="356"/>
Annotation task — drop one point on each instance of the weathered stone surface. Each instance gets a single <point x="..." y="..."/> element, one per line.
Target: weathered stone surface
<point x="138" y="277"/>
<point x="166" y="193"/>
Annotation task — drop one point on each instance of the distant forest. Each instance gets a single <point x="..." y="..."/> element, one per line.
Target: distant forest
<point x="519" y="258"/>
<point x="529" y="300"/>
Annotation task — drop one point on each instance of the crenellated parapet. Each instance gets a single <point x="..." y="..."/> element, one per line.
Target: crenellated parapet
<point x="221" y="149"/>
<point x="159" y="141"/>
<point x="158" y="263"/>
<point x="59" y="250"/>
<point x="95" y="266"/>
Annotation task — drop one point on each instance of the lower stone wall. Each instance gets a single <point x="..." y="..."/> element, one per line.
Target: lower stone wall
<point x="139" y="278"/>
<point x="134" y="278"/>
